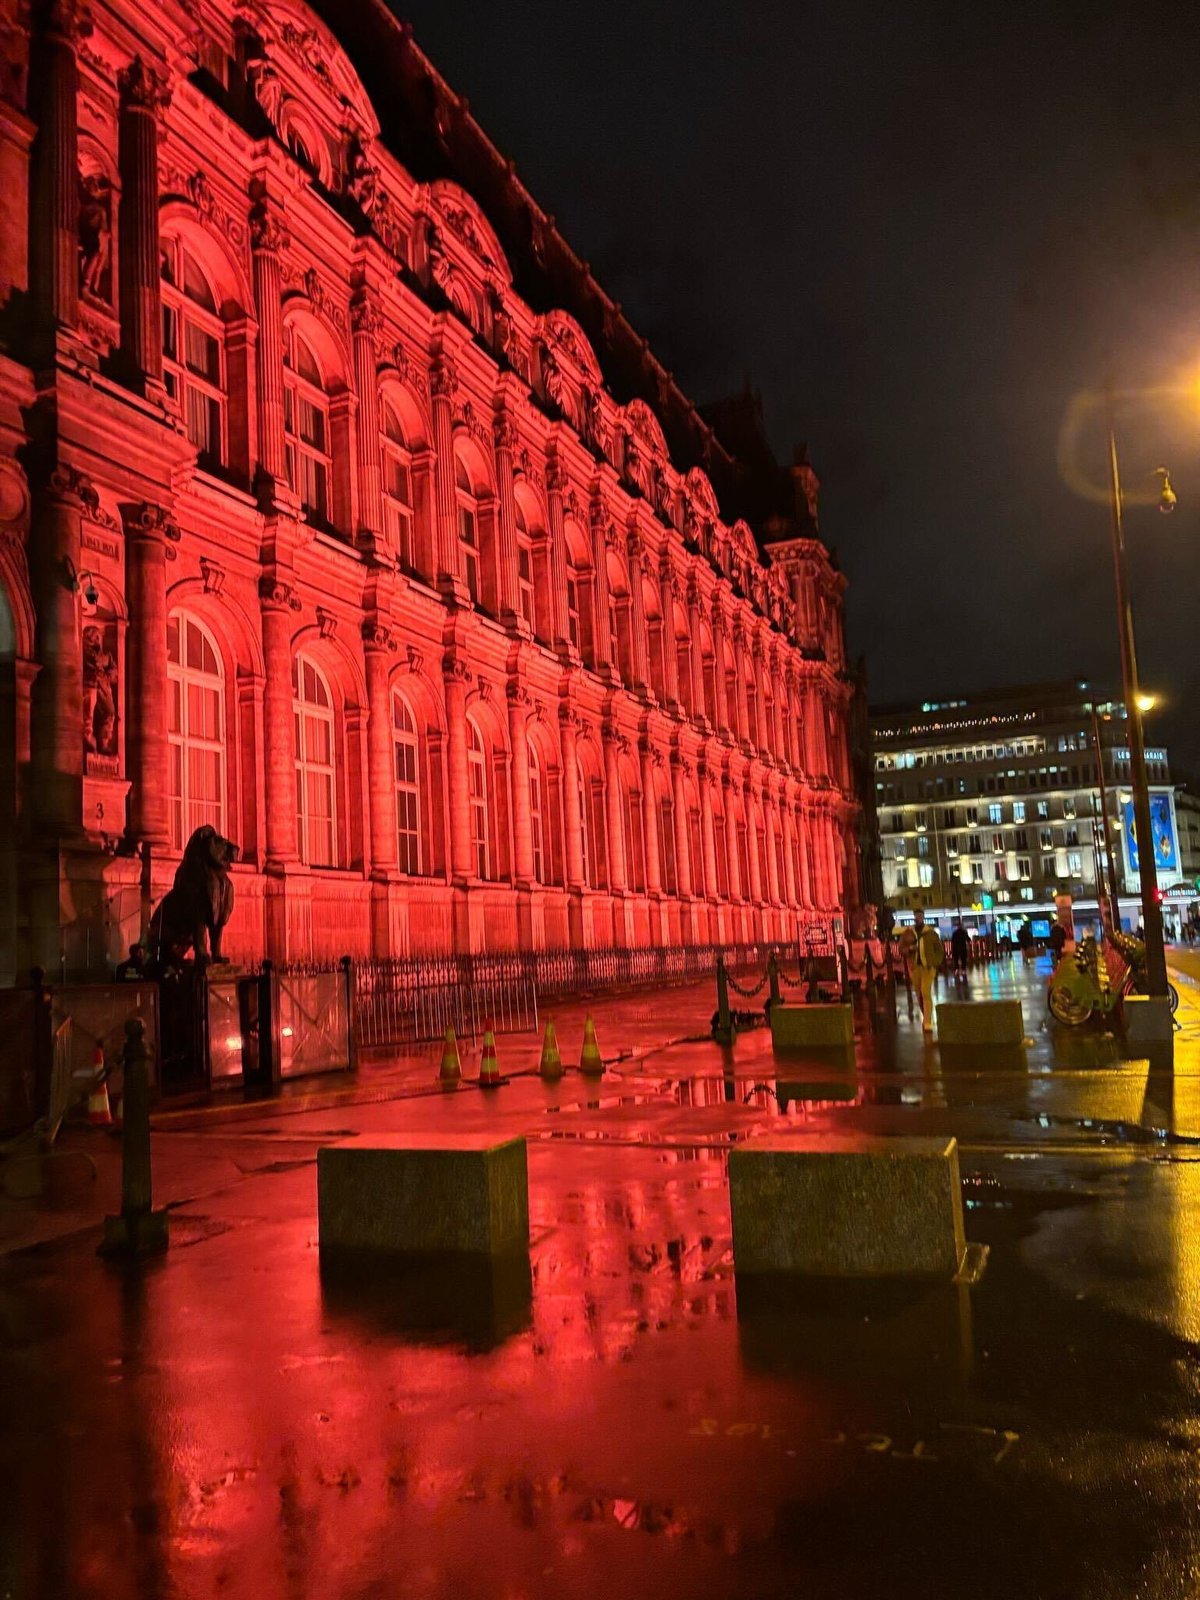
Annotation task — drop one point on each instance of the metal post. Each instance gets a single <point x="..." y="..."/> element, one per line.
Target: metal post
<point x="1105" y="864"/>
<point x="723" y="1032"/>
<point x="1156" y="957"/>
<point x="773" y="978"/>
<point x="139" y="1229"/>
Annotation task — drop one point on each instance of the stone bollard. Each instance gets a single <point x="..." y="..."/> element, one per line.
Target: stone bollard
<point x="139" y="1230"/>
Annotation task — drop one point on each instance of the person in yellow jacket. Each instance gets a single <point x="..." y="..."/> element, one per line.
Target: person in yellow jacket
<point x="927" y="956"/>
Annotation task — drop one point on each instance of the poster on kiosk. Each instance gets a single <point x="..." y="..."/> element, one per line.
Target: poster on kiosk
<point x="1163" y="834"/>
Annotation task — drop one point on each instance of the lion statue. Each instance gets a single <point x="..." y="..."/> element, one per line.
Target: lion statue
<point x="192" y="915"/>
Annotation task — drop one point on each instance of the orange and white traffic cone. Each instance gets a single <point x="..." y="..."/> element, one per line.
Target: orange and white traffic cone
<point x="451" y="1069"/>
<point x="550" y="1066"/>
<point x="489" y="1067"/>
<point x="590" y="1063"/>
<point x="99" y="1112"/>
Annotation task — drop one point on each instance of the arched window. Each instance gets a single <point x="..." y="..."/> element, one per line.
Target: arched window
<point x="408" y="788"/>
<point x="316" y="814"/>
<point x="468" y="527"/>
<point x="397" y="489"/>
<point x="306" y="426"/>
<point x="537" y="829"/>
<point x="477" y="792"/>
<point x="196" y="729"/>
<point x="525" y="591"/>
<point x="194" y="353"/>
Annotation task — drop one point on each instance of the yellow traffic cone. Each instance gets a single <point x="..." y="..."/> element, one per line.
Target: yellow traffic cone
<point x="590" y="1063"/>
<point x="451" y="1070"/>
<point x="550" y="1066"/>
<point x="99" y="1112"/>
<point x="489" y="1067"/>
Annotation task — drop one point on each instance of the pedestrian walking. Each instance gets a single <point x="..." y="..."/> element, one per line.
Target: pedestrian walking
<point x="1058" y="939"/>
<point x="927" y="958"/>
<point x="960" y="954"/>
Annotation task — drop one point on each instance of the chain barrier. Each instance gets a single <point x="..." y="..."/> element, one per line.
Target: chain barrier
<point x="789" y="982"/>
<point x="746" y="994"/>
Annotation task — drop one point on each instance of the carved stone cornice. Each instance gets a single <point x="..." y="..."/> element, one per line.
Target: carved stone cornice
<point x="377" y="637"/>
<point x="443" y="382"/>
<point x="365" y="316"/>
<point x="504" y="433"/>
<point x="145" y="520"/>
<point x="456" y="670"/>
<point x="518" y="695"/>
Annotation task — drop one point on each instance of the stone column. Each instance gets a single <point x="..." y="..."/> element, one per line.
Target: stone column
<point x="613" y="802"/>
<point x="518" y="732"/>
<point x="268" y="238"/>
<point x="462" y="863"/>
<point x="683" y="872"/>
<point x="666" y="604"/>
<point x="507" y="597"/>
<point x="378" y="645"/>
<point x="277" y="604"/>
<point x="53" y="88"/>
<point x="756" y="886"/>
<point x="604" y="645"/>
<point x="650" y="822"/>
<point x="695" y="619"/>
<point x="803" y="824"/>
<point x="366" y="321"/>
<point x="709" y="836"/>
<point x="787" y="822"/>
<point x="638" y="644"/>
<point x="769" y="823"/>
<point x="443" y="386"/>
<point x="143" y="95"/>
<point x="556" y="482"/>
<point x="146" y="745"/>
<point x="733" y="865"/>
<point x="722" y="706"/>
<point x="740" y="663"/>
<point x="56" y="702"/>
<point x="572" y="819"/>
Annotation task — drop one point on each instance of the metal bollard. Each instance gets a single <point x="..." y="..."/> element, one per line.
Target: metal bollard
<point x="139" y="1230"/>
<point x="773" y="978"/>
<point x="723" y="1026"/>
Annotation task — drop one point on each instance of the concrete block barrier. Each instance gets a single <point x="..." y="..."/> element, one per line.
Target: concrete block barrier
<point x="412" y="1194"/>
<point x="1147" y="1017"/>
<point x="845" y="1207"/>
<point x="980" y="1022"/>
<point x="804" y="1027"/>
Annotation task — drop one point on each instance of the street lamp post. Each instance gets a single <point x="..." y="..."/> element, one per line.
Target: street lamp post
<point x="1156" y="957"/>
<point x="1104" y="853"/>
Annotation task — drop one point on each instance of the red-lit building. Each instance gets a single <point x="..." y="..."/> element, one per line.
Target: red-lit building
<point x="341" y="509"/>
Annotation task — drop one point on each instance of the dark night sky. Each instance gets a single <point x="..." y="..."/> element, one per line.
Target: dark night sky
<point x="918" y="230"/>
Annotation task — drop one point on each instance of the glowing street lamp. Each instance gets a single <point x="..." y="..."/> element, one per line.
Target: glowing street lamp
<point x="1135" y="708"/>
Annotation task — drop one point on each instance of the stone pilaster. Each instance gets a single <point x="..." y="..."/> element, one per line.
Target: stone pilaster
<point x="613" y="803"/>
<point x="268" y="240"/>
<point x="443" y="388"/>
<point x="507" y="599"/>
<point x="147" y="528"/>
<point x="518" y="734"/>
<point x="572" y="816"/>
<point x="604" y="645"/>
<point x="56" y="729"/>
<point x="143" y="96"/>
<point x="556" y="483"/>
<point x="639" y="661"/>
<point x="54" y="242"/>
<point x="366" y="320"/>
<point x="378" y="647"/>
<point x="683" y="864"/>
<point x="708" y="835"/>
<point x="666" y="604"/>
<point x="456" y="677"/>
<point x="278" y="603"/>
<point x="650" y="821"/>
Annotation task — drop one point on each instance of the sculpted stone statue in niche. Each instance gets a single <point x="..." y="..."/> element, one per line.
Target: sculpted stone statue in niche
<point x="99" y="693"/>
<point x="95" y="236"/>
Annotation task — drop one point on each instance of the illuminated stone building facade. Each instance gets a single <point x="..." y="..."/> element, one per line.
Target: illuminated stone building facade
<point x="342" y="510"/>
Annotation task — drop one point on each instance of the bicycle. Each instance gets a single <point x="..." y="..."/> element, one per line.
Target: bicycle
<point x="1082" y="988"/>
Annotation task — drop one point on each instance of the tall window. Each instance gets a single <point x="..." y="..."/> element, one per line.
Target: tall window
<point x="666" y="846"/>
<point x="477" y="793"/>
<point x="597" y="837"/>
<point x="468" y="528"/>
<point x="537" y="830"/>
<point x="525" y="601"/>
<point x="397" y="488"/>
<point x="312" y="713"/>
<point x="196" y="730"/>
<point x="408" y="786"/>
<point x="635" y="865"/>
<point x="306" y="426"/>
<point x="194" y="352"/>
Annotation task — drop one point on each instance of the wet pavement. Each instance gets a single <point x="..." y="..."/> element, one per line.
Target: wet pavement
<point x="622" y="1417"/>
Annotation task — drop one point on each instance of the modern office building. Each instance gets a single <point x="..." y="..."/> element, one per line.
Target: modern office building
<point x="989" y="806"/>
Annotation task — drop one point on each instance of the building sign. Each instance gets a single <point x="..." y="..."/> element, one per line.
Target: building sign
<point x="1162" y="831"/>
